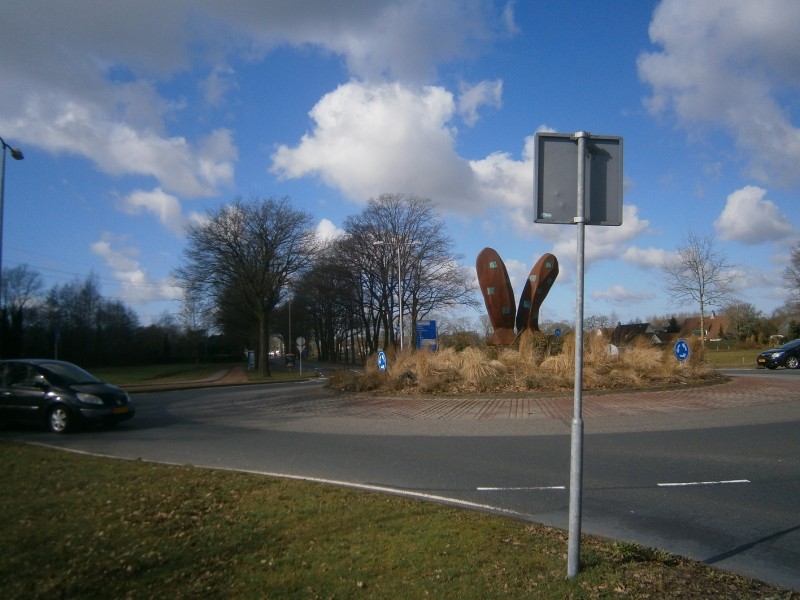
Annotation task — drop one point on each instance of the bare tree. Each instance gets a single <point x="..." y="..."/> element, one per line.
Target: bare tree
<point x="21" y="287"/>
<point x="243" y="254"/>
<point x="743" y="318"/>
<point x="699" y="273"/>
<point x="406" y="260"/>
<point x="792" y="275"/>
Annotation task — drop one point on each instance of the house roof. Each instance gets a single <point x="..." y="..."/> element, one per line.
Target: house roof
<point x="625" y="334"/>
<point x="714" y="326"/>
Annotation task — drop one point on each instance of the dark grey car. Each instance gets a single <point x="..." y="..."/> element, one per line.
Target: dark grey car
<point x="59" y="394"/>
<point x="787" y="356"/>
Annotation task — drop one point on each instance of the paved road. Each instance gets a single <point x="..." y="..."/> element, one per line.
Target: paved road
<point x="712" y="473"/>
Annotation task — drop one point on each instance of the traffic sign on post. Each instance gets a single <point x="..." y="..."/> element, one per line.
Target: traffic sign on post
<point x="301" y="345"/>
<point x="577" y="181"/>
<point x="381" y="360"/>
<point x="556" y="179"/>
<point x="681" y="350"/>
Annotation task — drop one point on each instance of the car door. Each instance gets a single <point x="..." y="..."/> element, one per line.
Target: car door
<point x="23" y="393"/>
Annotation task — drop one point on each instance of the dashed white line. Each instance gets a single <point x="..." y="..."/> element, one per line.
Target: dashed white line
<point x="690" y="483"/>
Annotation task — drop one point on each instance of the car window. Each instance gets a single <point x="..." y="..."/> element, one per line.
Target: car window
<point x="66" y="374"/>
<point x="19" y="375"/>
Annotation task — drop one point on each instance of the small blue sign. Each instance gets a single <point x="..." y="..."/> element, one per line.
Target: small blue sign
<point x="381" y="360"/>
<point x="557" y="332"/>
<point x="681" y="350"/>
<point x="426" y="335"/>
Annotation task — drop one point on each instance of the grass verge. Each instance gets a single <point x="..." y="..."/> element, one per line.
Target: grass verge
<point x="77" y="526"/>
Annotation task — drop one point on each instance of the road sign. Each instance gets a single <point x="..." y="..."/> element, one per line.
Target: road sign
<point x="557" y="332"/>
<point x="555" y="179"/>
<point x="382" y="360"/>
<point x="301" y="341"/>
<point x="577" y="180"/>
<point x="426" y="335"/>
<point x="681" y="350"/>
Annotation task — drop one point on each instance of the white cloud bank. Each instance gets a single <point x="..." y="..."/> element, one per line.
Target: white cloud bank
<point x="731" y="65"/>
<point x="749" y="218"/>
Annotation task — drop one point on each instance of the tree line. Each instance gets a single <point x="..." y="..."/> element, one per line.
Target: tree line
<point x="254" y="271"/>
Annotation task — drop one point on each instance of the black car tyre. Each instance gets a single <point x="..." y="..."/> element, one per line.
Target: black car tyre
<point x="59" y="420"/>
<point x="792" y="362"/>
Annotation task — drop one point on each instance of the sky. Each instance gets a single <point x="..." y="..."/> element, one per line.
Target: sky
<point x="136" y="118"/>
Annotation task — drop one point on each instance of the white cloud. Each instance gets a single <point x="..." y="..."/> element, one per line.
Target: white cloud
<point x="733" y="65"/>
<point x="371" y="139"/>
<point x="327" y="231"/>
<point x="472" y="98"/>
<point x="620" y="296"/>
<point x="135" y="283"/>
<point x="165" y="207"/>
<point x="403" y="40"/>
<point x="750" y="218"/>
<point x="648" y="258"/>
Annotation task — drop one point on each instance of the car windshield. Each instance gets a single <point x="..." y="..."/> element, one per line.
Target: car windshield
<point x="67" y="374"/>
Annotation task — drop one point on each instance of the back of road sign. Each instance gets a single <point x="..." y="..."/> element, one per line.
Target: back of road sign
<point x="555" y="179"/>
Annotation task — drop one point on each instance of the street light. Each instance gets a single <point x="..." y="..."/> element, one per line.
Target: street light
<point x="16" y="154"/>
<point x="399" y="243"/>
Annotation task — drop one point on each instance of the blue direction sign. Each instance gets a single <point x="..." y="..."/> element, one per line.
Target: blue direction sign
<point x="381" y="360"/>
<point x="681" y="350"/>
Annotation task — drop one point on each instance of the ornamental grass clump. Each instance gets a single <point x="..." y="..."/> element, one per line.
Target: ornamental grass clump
<point x="534" y="363"/>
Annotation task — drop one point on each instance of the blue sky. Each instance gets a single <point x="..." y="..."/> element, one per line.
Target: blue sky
<point x="137" y="117"/>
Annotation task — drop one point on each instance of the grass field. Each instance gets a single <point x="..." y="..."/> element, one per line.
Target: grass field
<point x="76" y="526"/>
<point x="180" y="372"/>
<point x="732" y="355"/>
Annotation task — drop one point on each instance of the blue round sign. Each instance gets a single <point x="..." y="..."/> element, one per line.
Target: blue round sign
<point x="382" y="360"/>
<point x="557" y="332"/>
<point x="681" y="350"/>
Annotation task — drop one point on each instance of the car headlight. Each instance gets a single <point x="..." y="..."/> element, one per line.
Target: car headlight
<point x="776" y="355"/>
<point x="89" y="399"/>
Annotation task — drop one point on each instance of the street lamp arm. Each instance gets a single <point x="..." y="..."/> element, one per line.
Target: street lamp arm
<point x="16" y="153"/>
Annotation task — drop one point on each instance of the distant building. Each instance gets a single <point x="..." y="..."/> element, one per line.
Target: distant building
<point x="716" y="327"/>
<point x="625" y="335"/>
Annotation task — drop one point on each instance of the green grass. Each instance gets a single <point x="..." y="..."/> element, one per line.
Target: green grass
<point x="76" y="526"/>
<point x="728" y="356"/>
<point x="183" y="372"/>
<point x="157" y="373"/>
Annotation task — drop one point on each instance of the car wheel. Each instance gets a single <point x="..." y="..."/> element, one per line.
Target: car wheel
<point x="792" y="362"/>
<point x="59" y="420"/>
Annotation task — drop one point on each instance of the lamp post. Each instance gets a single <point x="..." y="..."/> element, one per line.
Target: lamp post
<point x="16" y="154"/>
<point x="399" y="243"/>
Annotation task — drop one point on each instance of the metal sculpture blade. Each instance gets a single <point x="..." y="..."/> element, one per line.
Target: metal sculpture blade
<point x="498" y="296"/>
<point x="541" y="279"/>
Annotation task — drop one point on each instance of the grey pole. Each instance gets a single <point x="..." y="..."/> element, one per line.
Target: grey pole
<point x="400" y="293"/>
<point x="576" y="450"/>
<point x="16" y="154"/>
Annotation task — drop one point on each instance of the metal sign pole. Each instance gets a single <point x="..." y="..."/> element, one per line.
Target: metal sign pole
<point x="576" y="453"/>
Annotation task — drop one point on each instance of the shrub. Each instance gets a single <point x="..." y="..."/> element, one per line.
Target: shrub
<point x="536" y="363"/>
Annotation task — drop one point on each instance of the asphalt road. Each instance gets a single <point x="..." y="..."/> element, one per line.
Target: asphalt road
<point x="681" y="470"/>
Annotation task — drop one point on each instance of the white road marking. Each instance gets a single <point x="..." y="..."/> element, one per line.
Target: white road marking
<point x="690" y="483"/>
<point x="518" y="489"/>
<point x="339" y="483"/>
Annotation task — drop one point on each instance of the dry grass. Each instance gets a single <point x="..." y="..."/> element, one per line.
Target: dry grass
<point x="535" y="364"/>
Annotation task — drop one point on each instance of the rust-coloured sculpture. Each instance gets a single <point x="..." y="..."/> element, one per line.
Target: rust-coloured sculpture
<point x="498" y="295"/>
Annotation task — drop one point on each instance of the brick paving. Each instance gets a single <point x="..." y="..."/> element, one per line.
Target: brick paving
<point x="742" y="391"/>
<point x="739" y="392"/>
